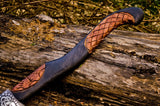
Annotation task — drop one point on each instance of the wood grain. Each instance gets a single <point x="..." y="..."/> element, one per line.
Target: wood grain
<point x="123" y="70"/>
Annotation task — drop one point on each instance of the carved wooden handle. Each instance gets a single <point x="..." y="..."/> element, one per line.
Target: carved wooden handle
<point x="108" y="24"/>
<point x="30" y="80"/>
<point x="51" y="70"/>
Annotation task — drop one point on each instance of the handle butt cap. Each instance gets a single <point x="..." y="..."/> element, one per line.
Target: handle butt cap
<point x="136" y="12"/>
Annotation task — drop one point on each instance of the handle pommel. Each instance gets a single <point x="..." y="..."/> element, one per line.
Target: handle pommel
<point x="137" y="14"/>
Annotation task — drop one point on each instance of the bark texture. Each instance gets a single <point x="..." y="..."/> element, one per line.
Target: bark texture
<point x="123" y="70"/>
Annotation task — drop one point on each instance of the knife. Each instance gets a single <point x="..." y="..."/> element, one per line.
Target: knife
<point x="51" y="70"/>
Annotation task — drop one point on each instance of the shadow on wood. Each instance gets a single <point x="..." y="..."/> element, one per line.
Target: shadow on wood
<point x="123" y="70"/>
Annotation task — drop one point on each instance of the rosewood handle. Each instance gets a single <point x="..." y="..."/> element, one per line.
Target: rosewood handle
<point x="51" y="70"/>
<point x="125" y="16"/>
<point x="30" y="80"/>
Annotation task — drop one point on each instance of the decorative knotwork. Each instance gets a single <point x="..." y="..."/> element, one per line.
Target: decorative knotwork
<point x="7" y="99"/>
<point x="105" y="27"/>
<point x="30" y="80"/>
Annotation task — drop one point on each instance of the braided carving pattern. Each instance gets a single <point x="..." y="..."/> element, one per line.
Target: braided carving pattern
<point x="30" y="80"/>
<point x="105" y="27"/>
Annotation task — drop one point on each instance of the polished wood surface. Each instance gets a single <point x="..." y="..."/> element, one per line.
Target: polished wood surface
<point x="105" y="27"/>
<point x="30" y="80"/>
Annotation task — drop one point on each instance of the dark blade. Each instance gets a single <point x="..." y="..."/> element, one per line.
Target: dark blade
<point x="55" y="68"/>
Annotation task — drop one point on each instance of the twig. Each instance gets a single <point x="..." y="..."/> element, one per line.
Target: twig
<point x="151" y="20"/>
<point x="34" y="2"/>
<point x="4" y="2"/>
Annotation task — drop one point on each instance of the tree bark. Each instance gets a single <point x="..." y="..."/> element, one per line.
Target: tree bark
<point x="123" y="70"/>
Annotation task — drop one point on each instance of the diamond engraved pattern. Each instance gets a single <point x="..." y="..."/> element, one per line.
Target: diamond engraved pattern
<point x="7" y="99"/>
<point x="30" y="80"/>
<point x="105" y="27"/>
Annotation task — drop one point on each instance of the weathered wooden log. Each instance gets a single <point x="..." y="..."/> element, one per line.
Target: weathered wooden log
<point x="123" y="70"/>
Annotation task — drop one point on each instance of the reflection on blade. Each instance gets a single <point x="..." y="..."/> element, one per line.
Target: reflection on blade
<point x="8" y="99"/>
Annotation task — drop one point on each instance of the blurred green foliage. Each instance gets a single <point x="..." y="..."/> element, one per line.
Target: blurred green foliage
<point x="84" y="12"/>
<point x="151" y="9"/>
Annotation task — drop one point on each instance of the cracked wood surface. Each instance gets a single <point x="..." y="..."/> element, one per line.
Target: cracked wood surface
<point x="123" y="70"/>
